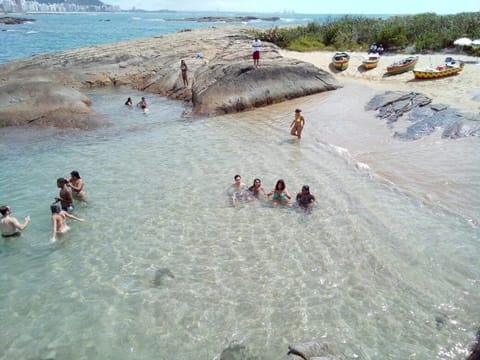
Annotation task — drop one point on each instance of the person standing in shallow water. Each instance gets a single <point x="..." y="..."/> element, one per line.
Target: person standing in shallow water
<point x="184" y="70"/>
<point x="143" y="104"/>
<point x="297" y="124"/>
<point x="59" y="221"/>
<point x="9" y="225"/>
<point x="65" y="197"/>
<point x="76" y="184"/>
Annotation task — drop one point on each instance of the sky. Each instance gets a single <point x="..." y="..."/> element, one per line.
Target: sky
<point x="439" y="7"/>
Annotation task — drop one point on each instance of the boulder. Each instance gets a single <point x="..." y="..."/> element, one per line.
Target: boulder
<point x="45" y="103"/>
<point x="222" y="80"/>
<point x="240" y="86"/>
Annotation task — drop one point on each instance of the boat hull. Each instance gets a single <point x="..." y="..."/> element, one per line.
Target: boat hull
<point x="402" y="67"/>
<point x="370" y="64"/>
<point x="340" y="65"/>
<point x="340" y="61"/>
<point x="437" y="73"/>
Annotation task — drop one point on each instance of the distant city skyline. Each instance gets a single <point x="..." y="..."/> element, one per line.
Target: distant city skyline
<point x="306" y="6"/>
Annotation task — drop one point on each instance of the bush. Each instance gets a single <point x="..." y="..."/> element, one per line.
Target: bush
<point x="427" y="32"/>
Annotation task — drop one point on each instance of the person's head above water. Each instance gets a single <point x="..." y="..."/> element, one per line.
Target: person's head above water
<point x="5" y="210"/>
<point x="75" y="174"/>
<point x="55" y="208"/>
<point x="61" y="181"/>
<point x="280" y="185"/>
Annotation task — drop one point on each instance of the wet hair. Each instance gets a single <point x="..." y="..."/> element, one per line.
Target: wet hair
<point x="298" y="110"/>
<point x="255" y="180"/>
<point x="280" y="182"/>
<point x="306" y="188"/>
<point x="236" y="176"/>
<point x="76" y="174"/>
<point x="4" y="209"/>
<point x="55" y="208"/>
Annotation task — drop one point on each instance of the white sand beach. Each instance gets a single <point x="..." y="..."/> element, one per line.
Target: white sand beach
<point x="461" y="91"/>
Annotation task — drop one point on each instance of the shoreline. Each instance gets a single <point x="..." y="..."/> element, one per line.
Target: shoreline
<point x="457" y="91"/>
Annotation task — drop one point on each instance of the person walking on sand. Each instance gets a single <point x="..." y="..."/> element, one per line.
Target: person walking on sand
<point x="256" y="45"/>
<point x="184" y="70"/>
<point x="9" y="225"/>
<point x="297" y="124"/>
<point x="59" y="221"/>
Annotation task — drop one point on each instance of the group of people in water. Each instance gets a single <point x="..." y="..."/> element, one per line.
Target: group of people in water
<point x="142" y="104"/>
<point x="61" y="209"/>
<point x="279" y="195"/>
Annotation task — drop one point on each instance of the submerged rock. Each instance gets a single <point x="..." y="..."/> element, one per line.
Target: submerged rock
<point x="313" y="350"/>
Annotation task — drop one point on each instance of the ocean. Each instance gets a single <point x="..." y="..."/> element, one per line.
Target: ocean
<point x="164" y="267"/>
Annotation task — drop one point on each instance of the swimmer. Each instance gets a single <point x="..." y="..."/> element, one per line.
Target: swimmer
<point x="59" y="221"/>
<point x="256" y="190"/>
<point x="280" y="194"/>
<point x="237" y="189"/>
<point x="129" y="102"/>
<point x="305" y="199"/>
<point x="76" y="184"/>
<point x="9" y="225"/>
<point x="143" y="105"/>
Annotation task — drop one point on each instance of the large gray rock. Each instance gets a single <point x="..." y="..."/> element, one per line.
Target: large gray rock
<point x="44" y="102"/>
<point x="228" y="88"/>
<point x="223" y="77"/>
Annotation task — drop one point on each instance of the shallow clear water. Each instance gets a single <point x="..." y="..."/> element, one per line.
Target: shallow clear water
<point x="385" y="267"/>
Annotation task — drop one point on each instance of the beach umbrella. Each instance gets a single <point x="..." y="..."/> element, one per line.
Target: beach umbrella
<point x="463" y="42"/>
<point x="476" y="42"/>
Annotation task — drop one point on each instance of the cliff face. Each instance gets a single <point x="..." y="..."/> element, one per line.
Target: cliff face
<point x="46" y="89"/>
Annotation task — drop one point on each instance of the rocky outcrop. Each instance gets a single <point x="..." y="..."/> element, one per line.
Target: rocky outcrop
<point x="239" y="86"/>
<point x="8" y="20"/>
<point x="425" y="117"/>
<point x="220" y="71"/>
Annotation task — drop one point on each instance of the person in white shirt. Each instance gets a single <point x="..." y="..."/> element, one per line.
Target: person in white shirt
<point x="256" y="45"/>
